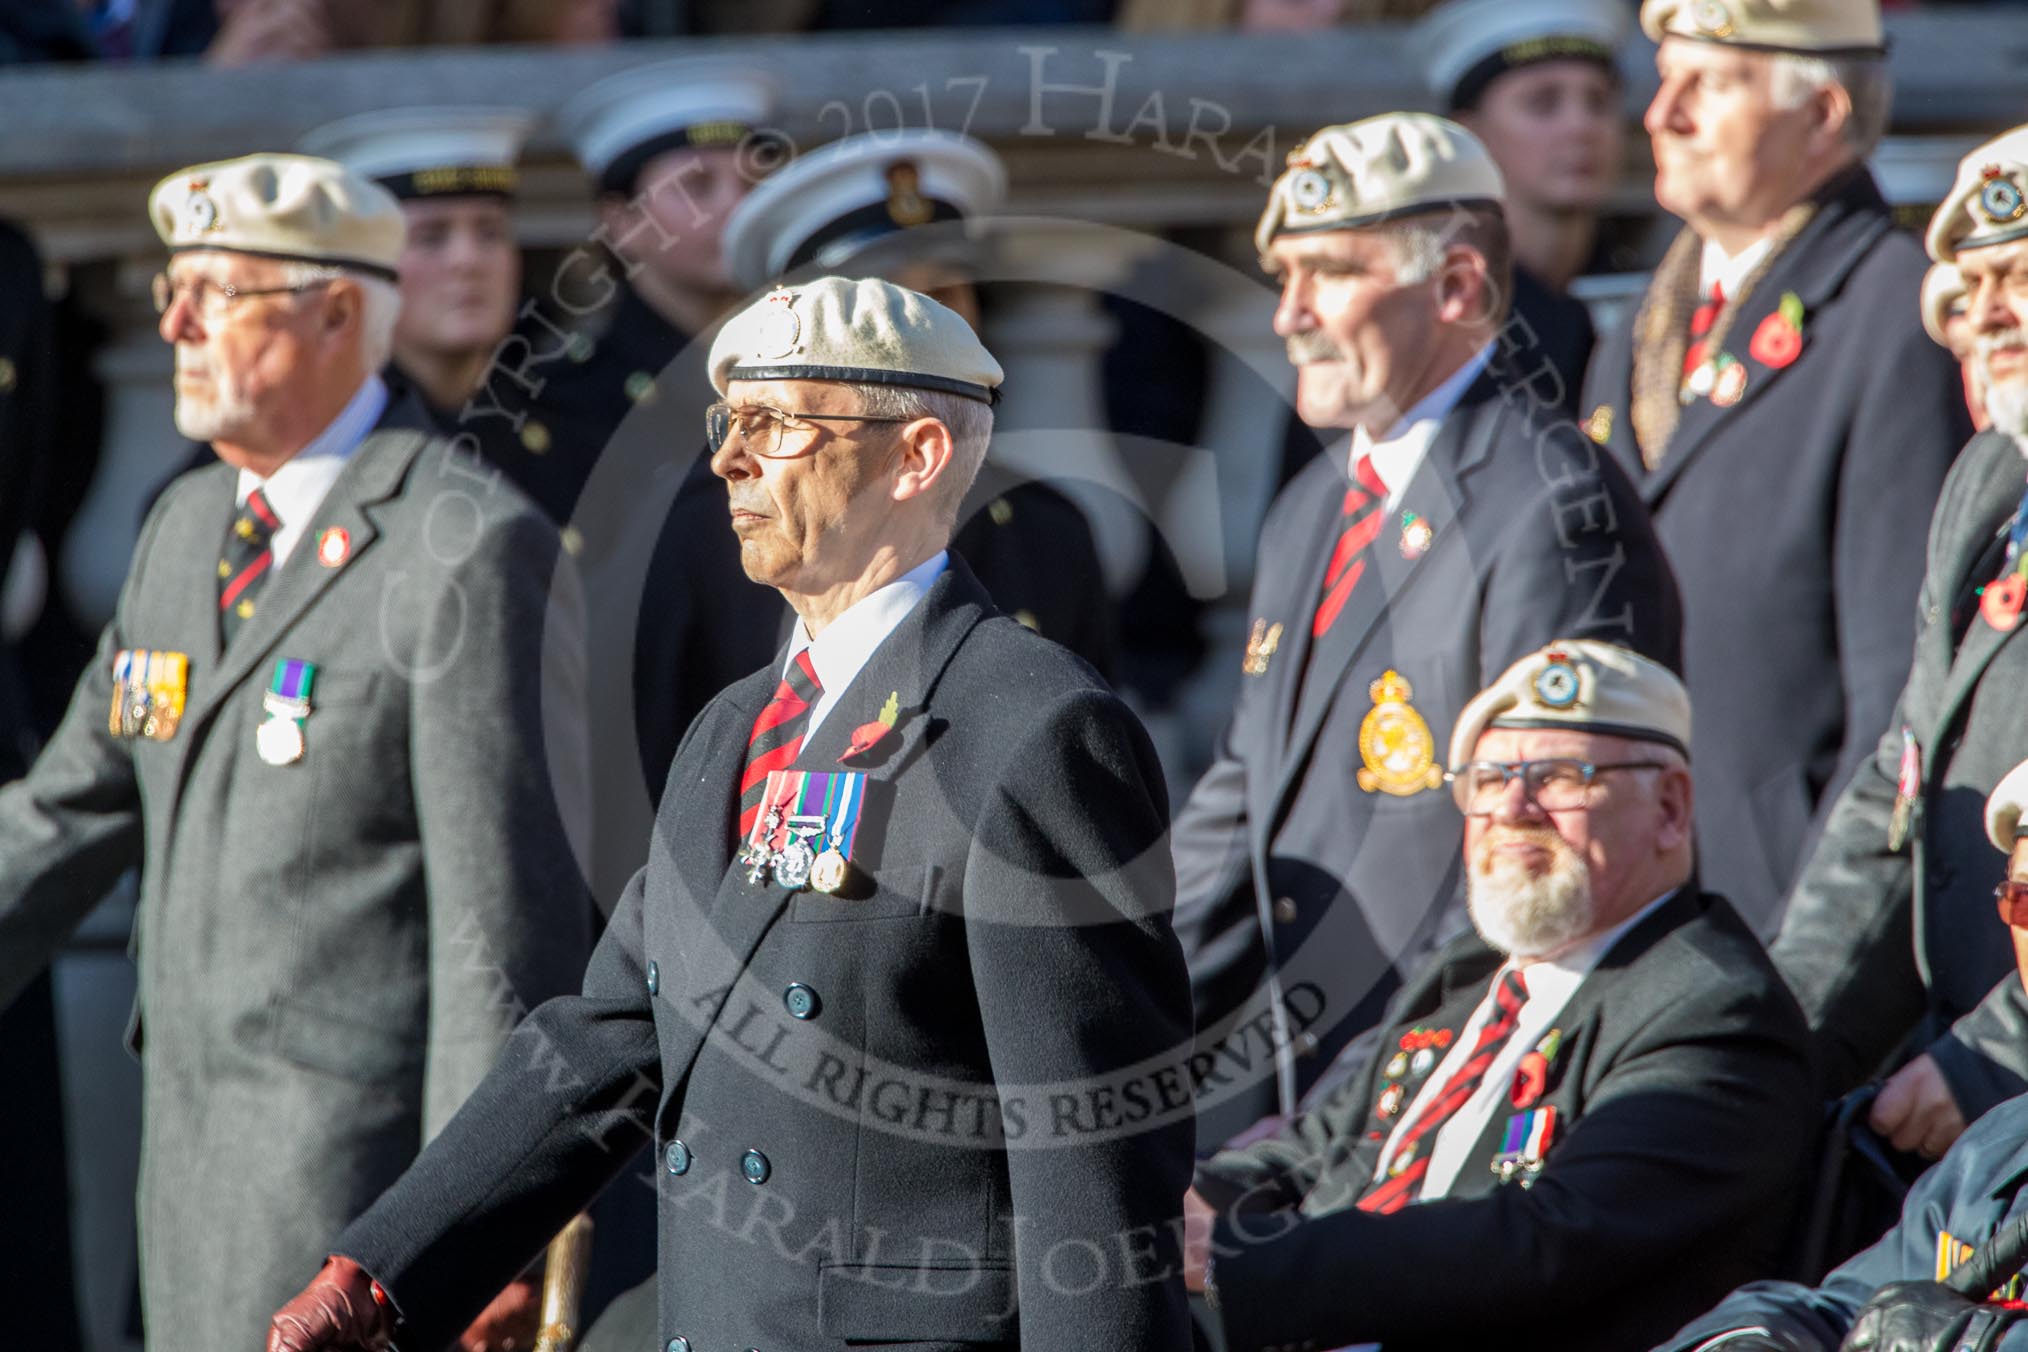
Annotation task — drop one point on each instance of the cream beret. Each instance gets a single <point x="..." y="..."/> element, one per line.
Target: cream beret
<point x="1585" y="686"/>
<point x="293" y="207"/>
<point x="2003" y="808"/>
<point x="1817" y="27"/>
<point x="619" y="124"/>
<point x="1988" y="203"/>
<point x="868" y="331"/>
<point x="835" y="202"/>
<point x="428" y="152"/>
<point x="1464" y="45"/>
<point x="1363" y="173"/>
<point x="1942" y="286"/>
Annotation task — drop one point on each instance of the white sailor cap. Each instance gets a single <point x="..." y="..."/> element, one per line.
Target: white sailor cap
<point x="1988" y="203"/>
<point x="1585" y="686"/>
<point x="428" y="152"/>
<point x="294" y="207"/>
<point x="1367" y="172"/>
<point x="619" y="124"/>
<point x="2003" y="808"/>
<point x="833" y="203"/>
<point x="866" y="331"/>
<point x="1464" y="45"/>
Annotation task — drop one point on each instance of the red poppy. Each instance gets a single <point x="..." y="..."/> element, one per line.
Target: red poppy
<point x="2003" y="600"/>
<point x="865" y="737"/>
<point x="1530" y="1079"/>
<point x="1776" y="342"/>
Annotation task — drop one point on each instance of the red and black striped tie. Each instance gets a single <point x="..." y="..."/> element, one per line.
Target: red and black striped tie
<point x="777" y="736"/>
<point x="1397" y="1191"/>
<point x="1364" y="514"/>
<point x="1701" y="321"/>
<point x="247" y="560"/>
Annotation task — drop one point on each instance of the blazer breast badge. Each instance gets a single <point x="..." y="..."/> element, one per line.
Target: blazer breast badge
<point x="1395" y="744"/>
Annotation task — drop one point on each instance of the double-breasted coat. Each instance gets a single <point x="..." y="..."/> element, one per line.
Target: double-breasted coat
<point x="1794" y="518"/>
<point x="1317" y="859"/>
<point x="1893" y="946"/>
<point x="330" y="951"/>
<point x="1683" y="1113"/>
<point x="941" y="1108"/>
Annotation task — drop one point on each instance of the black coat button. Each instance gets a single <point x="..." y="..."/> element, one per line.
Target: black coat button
<point x="1286" y="910"/>
<point x="677" y="1157"/>
<point x="755" y="1167"/>
<point x="654" y="977"/>
<point x="802" y="1001"/>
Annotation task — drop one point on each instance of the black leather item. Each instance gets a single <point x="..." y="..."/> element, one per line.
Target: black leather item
<point x="1927" y="1317"/>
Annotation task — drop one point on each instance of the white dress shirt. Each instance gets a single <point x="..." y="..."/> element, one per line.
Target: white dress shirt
<point x="848" y="641"/>
<point x="1398" y="455"/>
<point x="1729" y="270"/>
<point x="297" y="489"/>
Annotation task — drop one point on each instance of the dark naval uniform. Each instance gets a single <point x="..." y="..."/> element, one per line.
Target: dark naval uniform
<point x="1676" y="1091"/>
<point x="1890" y="942"/>
<point x="1792" y="504"/>
<point x="1977" y="1190"/>
<point x="921" y="1111"/>
<point x="330" y="950"/>
<point x="1317" y="859"/>
<point x="1548" y="339"/>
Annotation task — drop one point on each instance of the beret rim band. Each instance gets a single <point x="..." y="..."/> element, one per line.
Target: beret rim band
<point x="984" y="394"/>
<point x="839" y="238"/>
<point x="1393" y="214"/>
<point x="1977" y="241"/>
<point x="380" y="270"/>
<point x="1627" y="730"/>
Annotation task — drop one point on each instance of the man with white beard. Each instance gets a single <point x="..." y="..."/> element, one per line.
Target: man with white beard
<point x="330" y="721"/>
<point x="1582" y="1121"/>
<point x="1886" y="939"/>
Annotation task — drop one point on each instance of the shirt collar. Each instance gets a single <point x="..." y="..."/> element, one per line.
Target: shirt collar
<point x="1397" y="455"/>
<point x="1730" y="270"/>
<point x="296" y="488"/>
<point x="848" y="641"/>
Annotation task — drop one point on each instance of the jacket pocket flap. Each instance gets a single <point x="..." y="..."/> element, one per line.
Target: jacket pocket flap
<point x="961" y="1302"/>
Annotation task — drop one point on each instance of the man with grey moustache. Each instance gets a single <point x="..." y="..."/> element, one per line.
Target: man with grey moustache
<point x="1457" y="525"/>
<point x="1885" y="938"/>
<point x="1595" y="1105"/>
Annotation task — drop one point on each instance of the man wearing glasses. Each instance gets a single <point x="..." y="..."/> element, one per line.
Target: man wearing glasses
<point x="1583" y="1120"/>
<point x="321" y="724"/>
<point x="896" y="994"/>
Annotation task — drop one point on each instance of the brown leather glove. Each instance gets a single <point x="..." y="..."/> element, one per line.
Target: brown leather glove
<point x="341" y="1310"/>
<point x="509" y="1323"/>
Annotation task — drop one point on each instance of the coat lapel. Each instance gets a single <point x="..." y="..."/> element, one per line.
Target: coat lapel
<point x="1814" y="266"/>
<point x="1437" y="495"/>
<point x="1321" y="523"/>
<point x="1998" y="495"/>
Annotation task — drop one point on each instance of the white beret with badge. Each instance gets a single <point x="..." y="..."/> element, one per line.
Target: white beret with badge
<point x="2003" y="808"/>
<point x="1376" y="170"/>
<point x="617" y="125"/>
<point x="834" y="203"/>
<point x="428" y="152"/>
<point x="298" y="208"/>
<point x="1943" y="286"/>
<point x="1813" y="27"/>
<point x="1581" y="685"/>
<point x="1464" y="45"/>
<point x="1988" y="203"/>
<point x="866" y="331"/>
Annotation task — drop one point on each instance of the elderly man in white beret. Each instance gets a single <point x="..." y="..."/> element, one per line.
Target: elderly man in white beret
<point x="329" y="722"/>
<point x="1582" y="1120"/>
<point x="1883" y="942"/>
<point x="1458" y="524"/>
<point x="1783" y="315"/>
<point x="896" y="993"/>
<point x="1891" y="1298"/>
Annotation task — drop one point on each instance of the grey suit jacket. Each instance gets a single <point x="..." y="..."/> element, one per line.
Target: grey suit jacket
<point x="1881" y="944"/>
<point x="332" y="951"/>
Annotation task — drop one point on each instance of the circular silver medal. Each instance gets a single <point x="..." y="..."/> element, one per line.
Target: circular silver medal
<point x="279" y="741"/>
<point x="828" y="873"/>
<point x="792" y="865"/>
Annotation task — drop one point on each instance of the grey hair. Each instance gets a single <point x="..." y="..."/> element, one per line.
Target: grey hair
<point x="1865" y="80"/>
<point x="380" y="309"/>
<point x="969" y="420"/>
<point x="1420" y="241"/>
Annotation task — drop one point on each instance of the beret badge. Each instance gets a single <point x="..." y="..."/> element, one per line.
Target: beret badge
<point x="200" y="212"/>
<point x="1310" y="191"/>
<point x="1712" y="18"/>
<point x="2001" y="200"/>
<point x="780" y="329"/>
<point x="1556" y="685"/>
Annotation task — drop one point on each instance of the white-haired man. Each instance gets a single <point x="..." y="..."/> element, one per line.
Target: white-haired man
<point x="1580" y="1121"/>
<point x="1885" y="941"/>
<point x="1784" y="416"/>
<point x="318" y="723"/>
